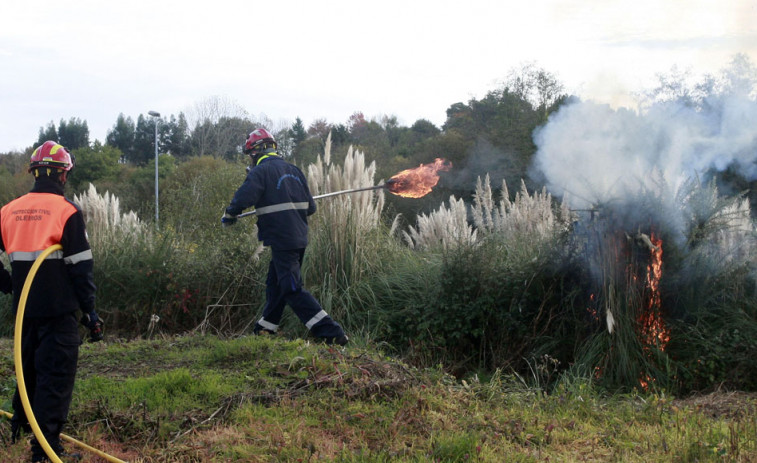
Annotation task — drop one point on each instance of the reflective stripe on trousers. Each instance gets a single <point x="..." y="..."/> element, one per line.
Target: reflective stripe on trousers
<point x="318" y="317"/>
<point x="268" y="325"/>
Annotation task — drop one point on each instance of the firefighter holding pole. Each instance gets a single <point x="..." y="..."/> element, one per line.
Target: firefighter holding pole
<point x="279" y="192"/>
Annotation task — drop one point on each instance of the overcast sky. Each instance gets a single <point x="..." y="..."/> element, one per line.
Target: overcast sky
<point x="94" y="59"/>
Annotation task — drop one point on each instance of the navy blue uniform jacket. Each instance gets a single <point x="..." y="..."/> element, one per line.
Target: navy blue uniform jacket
<point x="282" y="199"/>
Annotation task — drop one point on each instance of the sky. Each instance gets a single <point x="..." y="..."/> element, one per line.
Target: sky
<point x="328" y="59"/>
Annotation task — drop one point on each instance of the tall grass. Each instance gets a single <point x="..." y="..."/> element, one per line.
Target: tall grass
<point x="530" y="219"/>
<point x="345" y="221"/>
<point x="517" y="283"/>
<point x="348" y="243"/>
<point x="446" y="227"/>
<point x="105" y="221"/>
<point x="534" y="216"/>
<point x="186" y="274"/>
<point x="713" y="292"/>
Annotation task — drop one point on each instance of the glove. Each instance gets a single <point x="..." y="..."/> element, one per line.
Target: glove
<point x="95" y="326"/>
<point x="228" y="220"/>
<point x="19" y="424"/>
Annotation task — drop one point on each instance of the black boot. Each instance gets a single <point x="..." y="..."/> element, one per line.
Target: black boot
<point x="258" y="330"/>
<point x="17" y="427"/>
<point x="64" y="456"/>
<point x="67" y="457"/>
<point x="339" y="340"/>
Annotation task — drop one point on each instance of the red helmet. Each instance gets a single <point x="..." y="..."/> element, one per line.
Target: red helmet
<point x="257" y="138"/>
<point x="51" y="154"/>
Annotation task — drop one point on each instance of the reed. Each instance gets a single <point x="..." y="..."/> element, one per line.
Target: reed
<point x="105" y="221"/>
<point x="343" y="231"/>
<point x="530" y="217"/>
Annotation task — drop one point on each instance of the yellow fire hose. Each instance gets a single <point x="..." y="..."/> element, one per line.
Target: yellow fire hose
<point x="78" y="443"/>
<point x="20" y="372"/>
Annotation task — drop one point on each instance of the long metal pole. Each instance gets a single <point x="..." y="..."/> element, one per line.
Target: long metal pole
<point x="326" y="195"/>
<point x="354" y="190"/>
<point x="156" y="117"/>
<point x="157" y="215"/>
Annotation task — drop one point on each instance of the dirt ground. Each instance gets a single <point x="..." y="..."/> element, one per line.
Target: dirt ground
<point x="720" y="404"/>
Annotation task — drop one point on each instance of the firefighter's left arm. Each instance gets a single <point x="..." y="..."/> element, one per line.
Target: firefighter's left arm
<point x="77" y="256"/>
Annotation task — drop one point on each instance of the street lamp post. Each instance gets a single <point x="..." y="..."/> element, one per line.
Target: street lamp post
<point x="156" y="115"/>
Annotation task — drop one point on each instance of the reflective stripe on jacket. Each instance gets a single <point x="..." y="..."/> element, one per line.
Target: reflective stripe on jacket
<point x="282" y="199"/>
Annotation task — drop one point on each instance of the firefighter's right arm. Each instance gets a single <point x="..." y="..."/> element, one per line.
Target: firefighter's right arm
<point x="248" y="194"/>
<point x="6" y="285"/>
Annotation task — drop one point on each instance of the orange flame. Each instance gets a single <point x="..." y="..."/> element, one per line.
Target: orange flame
<point x="418" y="182"/>
<point x="653" y="329"/>
<point x="592" y="311"/>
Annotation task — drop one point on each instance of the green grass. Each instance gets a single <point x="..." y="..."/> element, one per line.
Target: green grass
<point x="201" y="398"/>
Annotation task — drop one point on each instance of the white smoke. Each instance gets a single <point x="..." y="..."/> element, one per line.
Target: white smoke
<point x="596" y="154"/>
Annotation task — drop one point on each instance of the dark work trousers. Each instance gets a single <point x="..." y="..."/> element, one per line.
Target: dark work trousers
<point x="284" y="286"/>
<point x="49" y="355"/>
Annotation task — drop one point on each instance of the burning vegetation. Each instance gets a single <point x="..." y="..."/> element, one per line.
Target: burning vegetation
<point x="626" y="261"/>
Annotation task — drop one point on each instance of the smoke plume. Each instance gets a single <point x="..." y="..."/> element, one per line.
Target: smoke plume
<point x="597" y="155"/>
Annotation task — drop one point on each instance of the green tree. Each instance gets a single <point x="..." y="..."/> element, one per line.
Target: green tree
<point x="459" y="118"/>
<point x="340" y="135"/>
<point x="174" y="137"/>
<point x="144" y="141"/>
<point x="14" y="176"/>
<point x="424" y="128"/>
<point x="100" y="162"/>
<point x="298" y="132"/>
<point x="121" y="136"/>
<point x="536" y="85"/>
<point x="49" y="133"/>
<point x="416" y="138"/>
<point x="370" y="136"/>
<point x="73" y="134"/>
<point x="497" y="131"/>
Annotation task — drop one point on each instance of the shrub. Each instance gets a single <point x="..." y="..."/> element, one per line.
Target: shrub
<point x="161" y="279"/>
<point x="491" y="297"/>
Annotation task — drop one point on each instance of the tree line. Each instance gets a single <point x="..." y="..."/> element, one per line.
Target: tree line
<point x="489" y="135"/>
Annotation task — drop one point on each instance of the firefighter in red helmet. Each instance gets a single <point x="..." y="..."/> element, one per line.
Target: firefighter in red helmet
<point x="282" y="200"/>
<point x="62" y="285"/>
